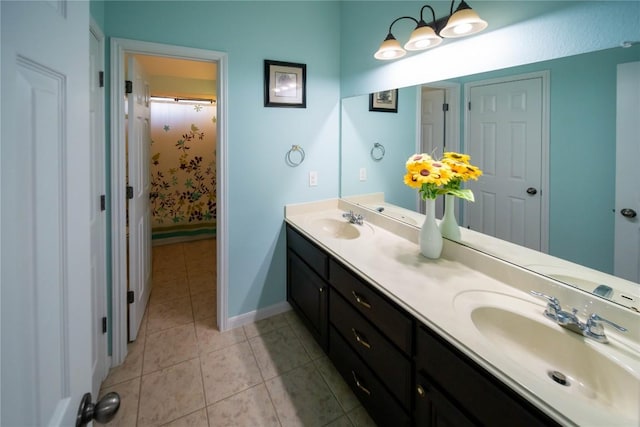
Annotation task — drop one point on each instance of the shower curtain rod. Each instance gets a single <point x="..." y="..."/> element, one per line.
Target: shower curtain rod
<point x="176" y="99"/>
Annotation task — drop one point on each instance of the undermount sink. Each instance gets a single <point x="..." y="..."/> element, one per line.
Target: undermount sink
<point x="339" y="229"/>
<point x="516" y="329"/>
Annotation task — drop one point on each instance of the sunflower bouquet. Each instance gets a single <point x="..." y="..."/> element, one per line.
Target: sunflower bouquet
<point x="434" y="177"/>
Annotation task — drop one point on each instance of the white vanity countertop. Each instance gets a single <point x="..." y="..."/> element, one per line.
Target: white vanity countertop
<point x="438" y="293"/>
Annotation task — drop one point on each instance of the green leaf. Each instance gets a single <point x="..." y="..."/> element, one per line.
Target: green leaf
<point x="465" y="194"/>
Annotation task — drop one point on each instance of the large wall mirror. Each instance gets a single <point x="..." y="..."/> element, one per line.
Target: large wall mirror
<point x="580" y="183"/>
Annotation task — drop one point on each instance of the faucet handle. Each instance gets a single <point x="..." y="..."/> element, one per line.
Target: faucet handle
<point x="553" y="305"/>
<point x="595" y="330"/>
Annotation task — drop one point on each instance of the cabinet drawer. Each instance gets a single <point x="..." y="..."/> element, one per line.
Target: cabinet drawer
<point x="484" y="397"/>
<point x="317" y="259"/>
<point x="389" y="363"/>
<point x="308" y="294"/>
<point x="375" y="398"/>
<point x="387" y="317"/>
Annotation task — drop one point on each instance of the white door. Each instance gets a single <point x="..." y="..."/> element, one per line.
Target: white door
<point x="98" y="216"/>
<point x="505" y="141"/>
<point x="45" y="202"/>
<point x="627" y="226"/>
<point x="139" y="209"/>
<point x="432" y="130"/>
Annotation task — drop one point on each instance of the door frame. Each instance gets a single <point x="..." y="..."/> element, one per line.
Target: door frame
<point x="119" y="48"/>
<point x="544" y="75"/>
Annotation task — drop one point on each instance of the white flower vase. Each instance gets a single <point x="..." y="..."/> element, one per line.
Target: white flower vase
<point x="449" y="226"/>
<point x="430" y="239"/>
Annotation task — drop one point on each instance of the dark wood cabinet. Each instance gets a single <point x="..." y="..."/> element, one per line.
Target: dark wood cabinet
<point x="375" y="397"/>
<point x="469" y="387"/>
<point x="432" y="408"/>
<point x="307" y="290"/>
<point x="402" y="372"/>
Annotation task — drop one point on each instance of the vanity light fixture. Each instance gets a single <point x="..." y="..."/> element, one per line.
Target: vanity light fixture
<point x="463" y="22"/>
<point x="424" y="36"/>
<point x="390" y="47"/>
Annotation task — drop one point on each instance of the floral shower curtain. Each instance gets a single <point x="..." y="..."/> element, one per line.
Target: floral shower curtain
<point x="183" y="168"/>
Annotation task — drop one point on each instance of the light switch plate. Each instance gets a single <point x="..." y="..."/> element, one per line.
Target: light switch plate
<point x="363" y="174"/>
<point x="313" y="179"/>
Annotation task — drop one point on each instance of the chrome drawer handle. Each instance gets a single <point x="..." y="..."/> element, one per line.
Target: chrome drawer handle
<point x="359" y="385"/>
<point x="359" y="339"/>
<point x="420" y="391"/>
<point x="363" y="302"/>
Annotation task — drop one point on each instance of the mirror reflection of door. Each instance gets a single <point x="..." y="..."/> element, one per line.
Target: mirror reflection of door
<point x="627" y="222"/>
<point x="505" y="139"/>
<point x="438" y="131"/>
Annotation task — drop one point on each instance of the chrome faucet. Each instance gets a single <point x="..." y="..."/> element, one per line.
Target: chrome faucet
<point x="592" y="328"/>
<point x="353" y="218"/>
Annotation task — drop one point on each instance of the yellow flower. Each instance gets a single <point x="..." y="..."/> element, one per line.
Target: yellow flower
<point x="463" y="158"/>
<point x="435" y="177"/>
<point x="418" y="159"/>
<point x="473" y="172"/>
<point x="411" y="181"/>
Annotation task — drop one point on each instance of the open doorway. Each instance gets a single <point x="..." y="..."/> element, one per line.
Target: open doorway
<point x="171" y="138"/>
<point x="147" y="53"/>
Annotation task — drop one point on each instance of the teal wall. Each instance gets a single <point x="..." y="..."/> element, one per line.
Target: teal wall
<point x="260" y="183"/>
<point x="362" y="128"/>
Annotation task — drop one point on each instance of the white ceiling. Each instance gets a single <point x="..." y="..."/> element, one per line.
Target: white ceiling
<point x="159" y="66"/>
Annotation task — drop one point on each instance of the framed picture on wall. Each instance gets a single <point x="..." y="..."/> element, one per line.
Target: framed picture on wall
<point x="385" y="101"/>
<point x="285" y="84"/>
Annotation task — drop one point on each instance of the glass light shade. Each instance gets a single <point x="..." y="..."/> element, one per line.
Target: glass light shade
<point x="390" y="49"/>
<point x="463" y="23"/>
<point x="423" y="37"/>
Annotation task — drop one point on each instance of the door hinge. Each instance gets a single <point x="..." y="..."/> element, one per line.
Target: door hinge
<point x="130" y="297"/>
<point x="100" y="78"/>
<point x="469" y="105"/>
<point x="128" y="86"/>
<point x="104" y="325"/>
<point x="129" y="192"/>
<point x="445" y="107"/>
<point x="103" y="202"/>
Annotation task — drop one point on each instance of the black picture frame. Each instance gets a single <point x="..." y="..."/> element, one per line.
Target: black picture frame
<point x="285" y="84"/>
<point x="385" y="101"/>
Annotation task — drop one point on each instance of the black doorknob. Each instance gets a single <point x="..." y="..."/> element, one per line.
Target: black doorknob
<point x="102" y="411"/>
<point x="628" y="213"/>
<point x="532" y="191"/>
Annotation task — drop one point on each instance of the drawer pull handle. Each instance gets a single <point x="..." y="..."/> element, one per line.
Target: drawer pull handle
<point x="363" y="302"/>
<point x="359" y="339"/>
<point x="359" y="385"/>
<point x="420" y="391"/>
<point x="321" y="290"/>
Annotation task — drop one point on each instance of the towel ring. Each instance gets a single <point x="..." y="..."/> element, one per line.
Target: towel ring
<point x="293" y="161"/>
<point x="377" y="152"/>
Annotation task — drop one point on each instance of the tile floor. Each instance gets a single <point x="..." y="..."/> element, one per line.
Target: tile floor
<point x="181" y="371"/>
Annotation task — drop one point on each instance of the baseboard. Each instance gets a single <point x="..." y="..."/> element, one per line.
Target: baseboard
<point x="254" y="316"/>
<point x="180" y="239"/>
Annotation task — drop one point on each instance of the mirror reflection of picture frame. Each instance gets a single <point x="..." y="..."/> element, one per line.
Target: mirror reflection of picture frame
<point x="385" y="101"/>
<point x="285" y="84"/>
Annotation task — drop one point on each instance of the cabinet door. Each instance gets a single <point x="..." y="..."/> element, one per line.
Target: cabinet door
<point x="434" y="410"/>
<point x="482" y="395"/>
<point x="308" y="294"/>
